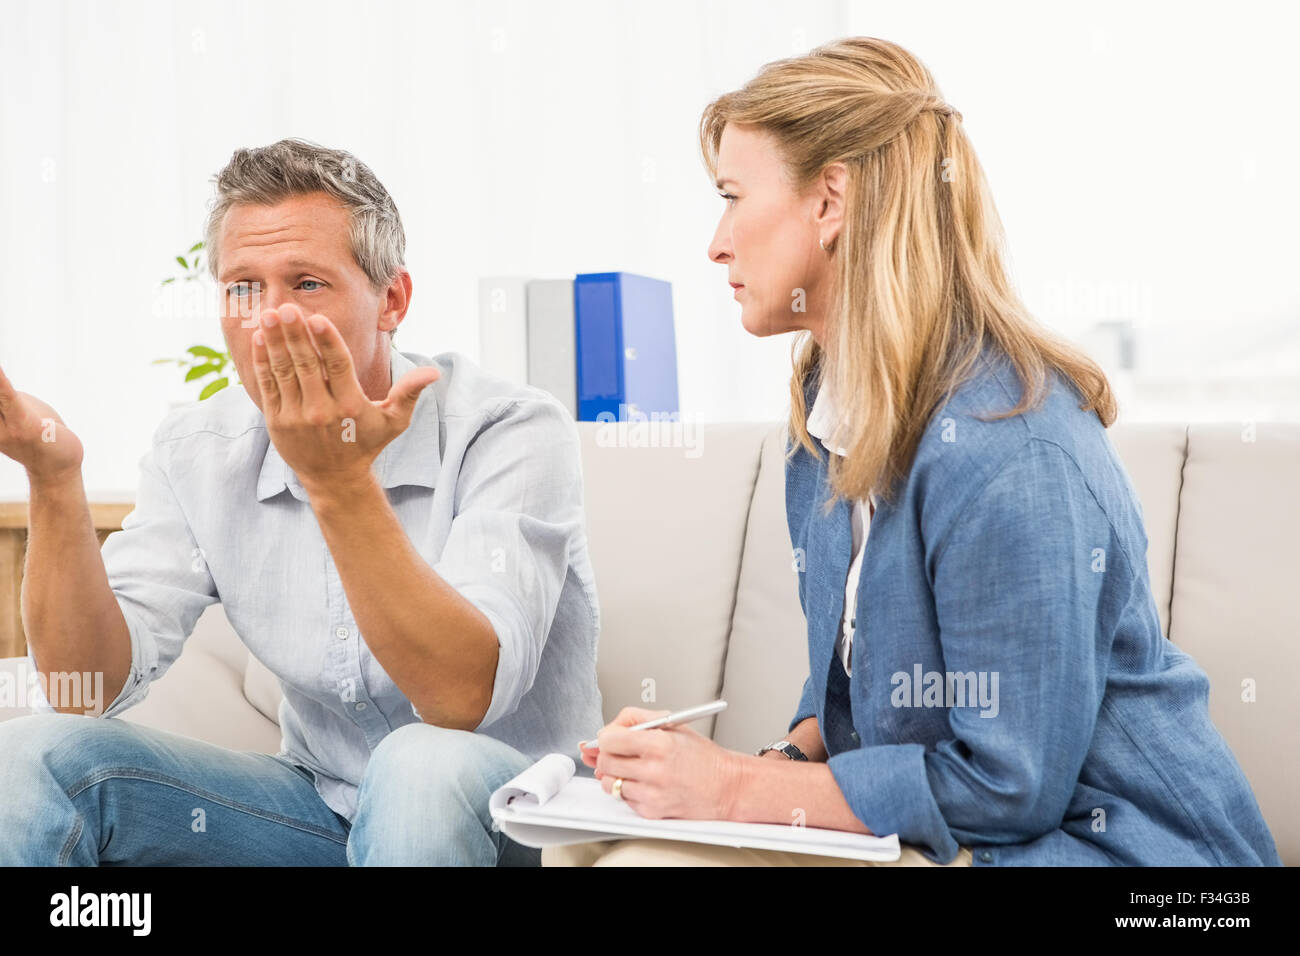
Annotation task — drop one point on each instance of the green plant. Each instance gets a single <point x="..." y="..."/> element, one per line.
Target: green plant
<point x="200" y="361"/>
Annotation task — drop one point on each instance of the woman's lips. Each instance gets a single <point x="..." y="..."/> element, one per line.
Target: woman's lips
<point x="737" y="287"/>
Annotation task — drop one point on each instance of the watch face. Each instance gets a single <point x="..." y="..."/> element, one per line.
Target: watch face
<point x="780" y="743"/>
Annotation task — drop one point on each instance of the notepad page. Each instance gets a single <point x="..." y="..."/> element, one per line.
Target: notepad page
<point x="543" y="780"/>
<point x="584" y="801"/>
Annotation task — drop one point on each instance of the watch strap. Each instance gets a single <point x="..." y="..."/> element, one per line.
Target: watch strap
<point x="787" y="748"/>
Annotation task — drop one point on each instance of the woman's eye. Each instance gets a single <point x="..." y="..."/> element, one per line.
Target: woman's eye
<point x="727" y="196"/>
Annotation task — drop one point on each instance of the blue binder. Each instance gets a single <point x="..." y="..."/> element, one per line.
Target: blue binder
<point x="627" y="350"/>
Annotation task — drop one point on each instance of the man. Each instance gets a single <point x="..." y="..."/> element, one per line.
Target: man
<point x="401" y="541"/>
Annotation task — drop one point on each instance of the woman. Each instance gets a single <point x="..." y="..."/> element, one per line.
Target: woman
<point x="999" y="691"/>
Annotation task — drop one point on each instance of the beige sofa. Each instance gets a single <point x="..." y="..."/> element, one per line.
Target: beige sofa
<point x="698" y="594"/>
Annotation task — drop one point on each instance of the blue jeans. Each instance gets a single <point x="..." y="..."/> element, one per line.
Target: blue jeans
<point x="87" y="791"/>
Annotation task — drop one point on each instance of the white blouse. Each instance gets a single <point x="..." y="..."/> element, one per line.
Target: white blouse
<point x="822" y="421"/>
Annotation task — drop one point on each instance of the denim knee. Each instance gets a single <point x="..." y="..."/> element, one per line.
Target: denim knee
<point x="428" y="760"/>
<point x="55" y="742"/>
<point x="424" y="796"/>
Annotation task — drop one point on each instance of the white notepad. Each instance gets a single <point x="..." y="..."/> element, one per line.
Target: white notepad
<point x="547" y="805"/>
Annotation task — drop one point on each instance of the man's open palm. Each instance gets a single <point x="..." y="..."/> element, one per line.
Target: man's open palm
<point x="322" y="422"/>
<point x="33" y="434"/>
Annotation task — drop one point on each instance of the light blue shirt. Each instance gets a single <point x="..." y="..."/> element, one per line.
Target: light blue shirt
<point x="487" y="482"/>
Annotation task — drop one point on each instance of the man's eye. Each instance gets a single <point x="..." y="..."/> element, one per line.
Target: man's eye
<point x="313" y="281"/>
<point x="240" y="289"/>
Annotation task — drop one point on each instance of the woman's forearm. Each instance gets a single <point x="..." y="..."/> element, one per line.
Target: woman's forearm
<point x="807" y="736"/>
<point x="795" y="792"/>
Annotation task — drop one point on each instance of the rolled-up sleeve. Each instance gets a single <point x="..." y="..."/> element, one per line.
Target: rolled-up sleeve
<point x="807" y="706"/>
<point x="157" y="573"/>
<point x="1018" y="587"/>
<point x="518" y="515"/>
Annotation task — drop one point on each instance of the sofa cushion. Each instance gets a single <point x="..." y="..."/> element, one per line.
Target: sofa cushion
<point x="767" y="658"/>
<point x="666" y="527"/>
<point x="1234" y="605"/>
<point x="1153" y="454"/>
<point x="202" y="693"/>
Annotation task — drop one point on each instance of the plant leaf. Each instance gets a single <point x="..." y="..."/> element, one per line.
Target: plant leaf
<point x="172" y="279"/>
<point x="204" y="351"/>
<point x="181" y="260"/>
<point x="199" y="371"/>
<point x="196" y="247"/>
<point x="213" y="387"/>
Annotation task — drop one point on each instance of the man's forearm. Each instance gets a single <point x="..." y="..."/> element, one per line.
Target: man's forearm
<point x="440" y="650"/>
<point x="70" y="614"/>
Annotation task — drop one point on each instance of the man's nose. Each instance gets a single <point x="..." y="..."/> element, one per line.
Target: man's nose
<point x="260" y="299"/>
<point x="270" y="298"/>
<point x="273" y="298"/>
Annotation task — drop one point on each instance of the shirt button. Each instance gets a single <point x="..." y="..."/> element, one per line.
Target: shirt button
<point x="986" y="856"/>
<point x="341" y="633"/>
<point x="361" y="705"/>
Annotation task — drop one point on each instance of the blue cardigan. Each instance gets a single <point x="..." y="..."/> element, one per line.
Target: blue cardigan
<point x="1012" y="690"/>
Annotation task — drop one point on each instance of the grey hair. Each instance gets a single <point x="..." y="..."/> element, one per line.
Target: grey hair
<point x="267" y="175"/>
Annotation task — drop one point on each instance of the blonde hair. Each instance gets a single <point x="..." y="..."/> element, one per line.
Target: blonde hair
<point x="920" y="286"/>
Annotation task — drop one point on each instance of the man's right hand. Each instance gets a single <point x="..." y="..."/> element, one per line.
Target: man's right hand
<point x="33" y="434"/>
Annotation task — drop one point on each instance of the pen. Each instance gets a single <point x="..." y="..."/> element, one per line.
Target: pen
<point x="669" y="720"/>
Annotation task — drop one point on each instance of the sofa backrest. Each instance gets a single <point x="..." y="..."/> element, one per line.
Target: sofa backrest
<point x="666" y="528"/>
<point x="1235" y="607"/>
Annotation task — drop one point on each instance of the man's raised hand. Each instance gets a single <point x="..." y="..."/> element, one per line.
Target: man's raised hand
<point x="33" y="434"/>
<point x="322" y="422"/>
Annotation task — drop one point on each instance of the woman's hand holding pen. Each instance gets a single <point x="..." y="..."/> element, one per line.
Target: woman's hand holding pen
<point x="667" y="772"/>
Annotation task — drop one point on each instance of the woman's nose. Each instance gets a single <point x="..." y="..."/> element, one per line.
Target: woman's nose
<point x="719" y="248"/>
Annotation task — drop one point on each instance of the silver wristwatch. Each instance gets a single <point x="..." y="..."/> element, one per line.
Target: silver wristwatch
<point x="785" y="747"/>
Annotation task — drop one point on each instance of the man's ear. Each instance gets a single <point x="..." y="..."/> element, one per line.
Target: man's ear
<point x="397" y="299"/>
<point x="829" y="212"/>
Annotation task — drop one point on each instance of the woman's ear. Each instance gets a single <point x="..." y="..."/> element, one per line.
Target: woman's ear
<point x="830" y="202"/>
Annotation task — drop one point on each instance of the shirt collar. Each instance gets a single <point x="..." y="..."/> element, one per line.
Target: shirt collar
<point x="823" y="419"/>
<point x="412" y="458"/>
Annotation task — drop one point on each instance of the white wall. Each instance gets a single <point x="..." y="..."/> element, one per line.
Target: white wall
<point x="1140" y="155"/>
